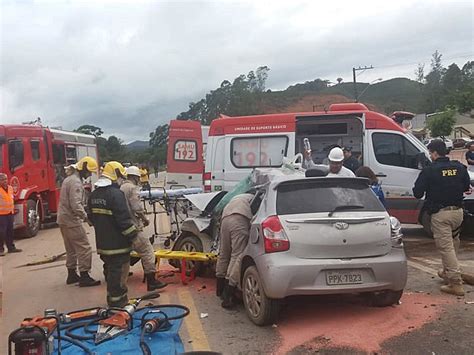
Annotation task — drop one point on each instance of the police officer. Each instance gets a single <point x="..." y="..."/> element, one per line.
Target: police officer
<point x="443" y="184"/>
<point x="114" y="231"/>
<point x="141" y="244"/>
<point x="71" y="215"/>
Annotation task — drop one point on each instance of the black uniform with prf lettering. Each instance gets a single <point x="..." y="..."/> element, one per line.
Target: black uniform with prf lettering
<point x="114" y="230"/>
<point x="444" y="183"/>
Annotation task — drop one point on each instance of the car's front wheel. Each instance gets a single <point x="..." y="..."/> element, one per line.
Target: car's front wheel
<point x="385" y="298"/>
<point x="260" y="309"/>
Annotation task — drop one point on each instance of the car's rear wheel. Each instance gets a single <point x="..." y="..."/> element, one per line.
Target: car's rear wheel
<point x="260" y="309"/>
<point x="385" y="298"/>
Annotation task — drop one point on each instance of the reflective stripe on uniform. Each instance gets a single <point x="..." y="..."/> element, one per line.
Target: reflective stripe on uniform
<point x="129" y="230"/>
<point x="116" y="298"/>
<point x="102" y="211"/>
<point x="114" y="251"/>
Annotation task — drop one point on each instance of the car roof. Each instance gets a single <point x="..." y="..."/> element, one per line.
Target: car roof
<point x="276" y="176"/>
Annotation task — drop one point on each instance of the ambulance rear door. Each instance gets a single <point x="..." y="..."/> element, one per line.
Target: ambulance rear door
<point x="185" y="165"/>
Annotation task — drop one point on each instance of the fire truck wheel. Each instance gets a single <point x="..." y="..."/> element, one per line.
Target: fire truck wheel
<point x="32" y="220"/>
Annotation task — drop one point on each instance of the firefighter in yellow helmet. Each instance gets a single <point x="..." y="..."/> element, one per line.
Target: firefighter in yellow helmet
<point x="71" y="215"/>
<point x="114" y="231"/>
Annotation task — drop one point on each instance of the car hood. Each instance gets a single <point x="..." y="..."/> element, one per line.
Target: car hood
<point x="205" y="202"/>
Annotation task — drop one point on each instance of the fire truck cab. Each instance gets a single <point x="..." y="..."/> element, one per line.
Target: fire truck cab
<point x="34" y="157"/>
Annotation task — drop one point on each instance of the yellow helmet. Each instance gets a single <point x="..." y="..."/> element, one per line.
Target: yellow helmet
<point x="113" y="170"/>
<point x="88" y="163"/>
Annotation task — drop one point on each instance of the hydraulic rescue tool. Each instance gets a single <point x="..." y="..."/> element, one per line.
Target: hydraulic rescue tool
<point x="120" y="319"/>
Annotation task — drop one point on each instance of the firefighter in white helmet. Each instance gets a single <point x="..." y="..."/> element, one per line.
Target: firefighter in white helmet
<point x="71" y="215"/>
<point x="141" y="244"/>
<point x="335" y="163"/>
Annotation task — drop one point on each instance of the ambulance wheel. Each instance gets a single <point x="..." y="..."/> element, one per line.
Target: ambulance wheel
<point x="32" y="220"/>
<point x="190" y="243"/>
<point x="426" y="223"/>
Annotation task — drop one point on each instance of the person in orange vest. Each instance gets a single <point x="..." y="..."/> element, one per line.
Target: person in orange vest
<point x="7" y="211"/>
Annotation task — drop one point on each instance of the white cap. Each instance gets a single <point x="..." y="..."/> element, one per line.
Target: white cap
<point x="336" y="155"/>
<point x="133" y="170"/>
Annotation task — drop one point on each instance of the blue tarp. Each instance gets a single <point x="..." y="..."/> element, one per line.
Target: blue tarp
<point x="167" y="342"/>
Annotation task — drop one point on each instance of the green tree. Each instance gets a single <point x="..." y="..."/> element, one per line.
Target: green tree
<point x="159" y="137"/>
<point x="90" y="129"/>
<point x="441" y="124"/>
<point x="241" y="97"/>
<point x="434" y="82"/>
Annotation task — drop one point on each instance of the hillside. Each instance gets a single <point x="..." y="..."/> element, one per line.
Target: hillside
<point x="137" y="145"/>
<point x="386" y="96"/>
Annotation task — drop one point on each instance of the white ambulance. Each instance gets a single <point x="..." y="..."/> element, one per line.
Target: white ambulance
<point x="236" y="145"/>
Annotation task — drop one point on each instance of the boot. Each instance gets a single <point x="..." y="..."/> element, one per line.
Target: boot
<point x="453" y="289"/>
<point x="220" y="284"/>
<point x="228" y="296"/>
<point x="87" y="281"/>
<point x="152" y="283"/>
<point x="72" y="277"/>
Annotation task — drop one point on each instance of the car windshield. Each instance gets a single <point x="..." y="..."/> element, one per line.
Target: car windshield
<point x="325" y="195"/>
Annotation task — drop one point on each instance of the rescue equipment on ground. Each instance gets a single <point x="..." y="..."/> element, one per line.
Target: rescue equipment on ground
<point x="48" y="334"/>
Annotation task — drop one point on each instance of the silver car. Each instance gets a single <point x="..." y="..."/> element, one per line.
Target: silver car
<point x="318" y="236"/>
<point x="309" y="236"/>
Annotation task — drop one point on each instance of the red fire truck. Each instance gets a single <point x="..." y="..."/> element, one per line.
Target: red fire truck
<point x="34" y="157"/>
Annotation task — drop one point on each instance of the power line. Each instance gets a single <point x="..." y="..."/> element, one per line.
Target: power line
<point x="354" y="76"/>
<point x="461" y="55"/>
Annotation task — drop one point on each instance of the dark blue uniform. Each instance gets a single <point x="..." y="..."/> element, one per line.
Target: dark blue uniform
<point x="444" y="183"/>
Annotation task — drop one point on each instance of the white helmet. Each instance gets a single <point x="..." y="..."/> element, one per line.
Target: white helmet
<point x="133" y="171"/>
<point x="336" y="155"/>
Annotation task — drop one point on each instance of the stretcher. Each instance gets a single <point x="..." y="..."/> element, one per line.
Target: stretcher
<point x="183" y="256"/>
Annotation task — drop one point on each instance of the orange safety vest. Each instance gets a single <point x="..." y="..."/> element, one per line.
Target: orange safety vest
<point x="7" y="204"/>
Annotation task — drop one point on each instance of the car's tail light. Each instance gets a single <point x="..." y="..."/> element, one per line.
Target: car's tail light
<point x="206" y="178"/>
<point x="274" y="236"/>
<point x="396" y="233"/>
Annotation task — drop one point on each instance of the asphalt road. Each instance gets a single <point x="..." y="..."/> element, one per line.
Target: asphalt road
<point x="426" y="321"/>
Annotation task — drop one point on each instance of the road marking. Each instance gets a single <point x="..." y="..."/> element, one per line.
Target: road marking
<point x="418" y="266"/>
<point x="438" y="264"/>
<point x="192" y="322"/>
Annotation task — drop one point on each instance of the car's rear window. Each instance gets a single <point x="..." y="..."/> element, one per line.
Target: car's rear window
<point x="324" y="196"/>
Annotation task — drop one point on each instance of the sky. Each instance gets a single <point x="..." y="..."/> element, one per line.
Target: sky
<point x="128" y="66"/>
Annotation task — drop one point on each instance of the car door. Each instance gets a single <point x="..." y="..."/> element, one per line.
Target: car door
<point x="395" y="160"/>
<point x="38" y="172"/>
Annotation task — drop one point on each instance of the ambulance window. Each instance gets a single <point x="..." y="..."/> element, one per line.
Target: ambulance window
<point x="35" y="150"/>
<point x="185" y="150"/>
<point x="58" y="154"/>
<point x="15" y="153"/>
<point x="394" y="150"/>
<point x="258" y="151"/>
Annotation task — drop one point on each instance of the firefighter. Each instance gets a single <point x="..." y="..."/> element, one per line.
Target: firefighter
<point x="71" y="215"/>
<point x="141" y="244"/>
<point x="7" y="211"/>
<point x="234" y="235"/>
<point x="443" y="184"/>
<point x="144" y="178"/>
<point x="114" y="231"/>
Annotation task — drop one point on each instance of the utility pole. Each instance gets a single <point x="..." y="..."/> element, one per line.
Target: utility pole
<point x="355" y="79"/>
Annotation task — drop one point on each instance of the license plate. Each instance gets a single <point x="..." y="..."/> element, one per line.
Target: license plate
<point x="344" y="277"/>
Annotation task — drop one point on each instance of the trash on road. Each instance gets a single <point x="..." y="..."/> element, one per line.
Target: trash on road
<point x="204" y="315"/>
